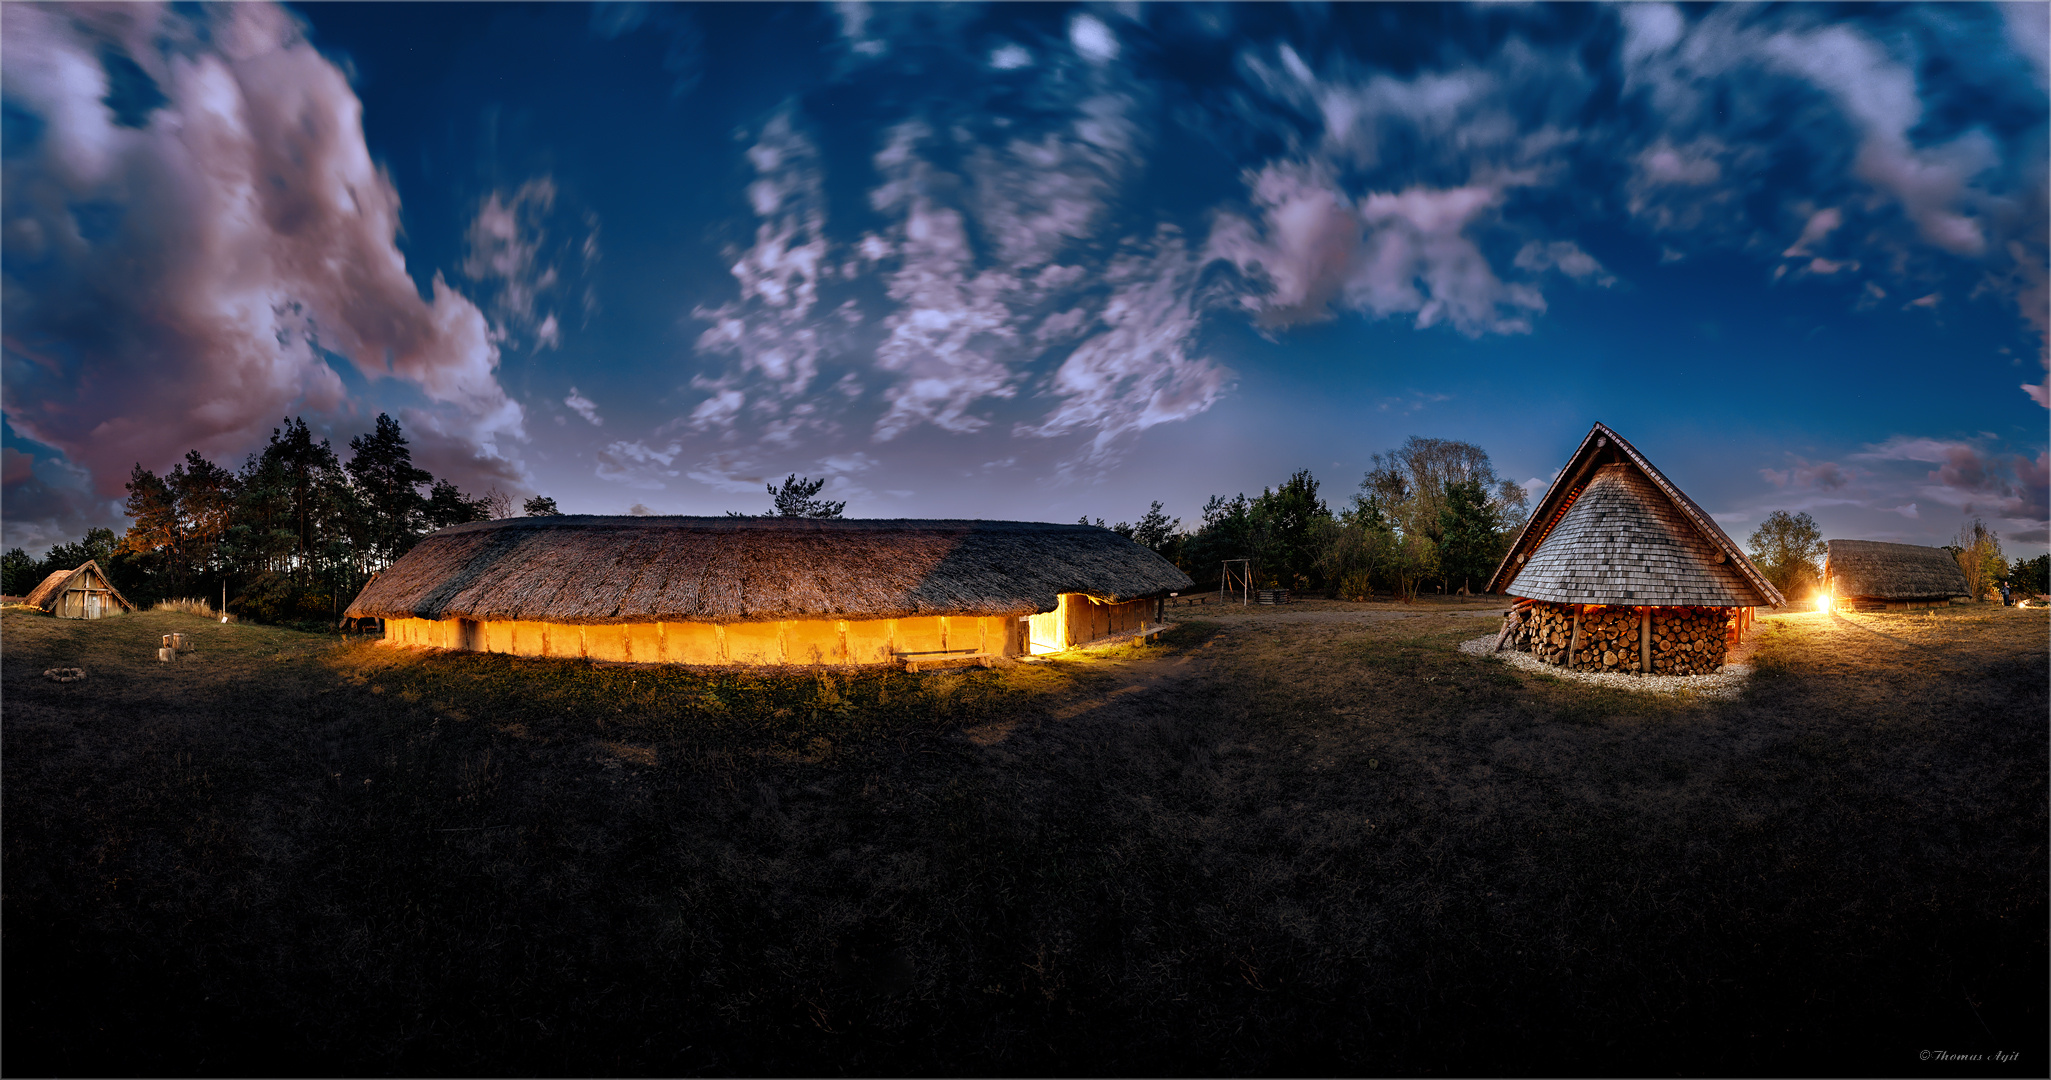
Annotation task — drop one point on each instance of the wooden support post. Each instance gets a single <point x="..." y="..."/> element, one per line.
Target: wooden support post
<point x="1574" y="643"/>
<point x="1645" y="640"/>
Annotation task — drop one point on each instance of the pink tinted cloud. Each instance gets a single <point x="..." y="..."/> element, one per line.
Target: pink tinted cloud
<point x="1802" y="473"/>
<point x="1324" y="236"/>
<point x="2013" y="487"/>
<point x="237" y="236"/>
<point x="1389" y="253"/>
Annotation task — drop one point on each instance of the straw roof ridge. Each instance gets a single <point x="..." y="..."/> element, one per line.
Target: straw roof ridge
<point x="597" y="569"/>
<point x="1684" y="540"/>
<point x="1883" y="571"/>
<point x="45" y="594"/>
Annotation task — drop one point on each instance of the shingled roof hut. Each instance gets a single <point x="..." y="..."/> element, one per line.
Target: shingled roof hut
<point x="1618" y="570"/>
<point x="83" y="593"/>
<point x="1869" y="575"/>
<point x="695" y="590"/>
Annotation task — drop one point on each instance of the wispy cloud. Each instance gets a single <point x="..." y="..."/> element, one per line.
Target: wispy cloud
<point x="638" y="465"/>
<point x="512" y="255"/>
<point x="1829" y="126"/>
<point x="584" y="407"/>
<point x="994" y="277"/>
<point x="1350" y="224"/>
<point x="770" y="328"/>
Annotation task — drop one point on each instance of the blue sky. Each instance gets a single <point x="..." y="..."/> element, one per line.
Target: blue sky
<point x="1035" y="261"/>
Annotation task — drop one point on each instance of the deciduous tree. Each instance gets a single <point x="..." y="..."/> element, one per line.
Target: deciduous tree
<point x="1788" y="549"/>
<point x="1978" y="551"/>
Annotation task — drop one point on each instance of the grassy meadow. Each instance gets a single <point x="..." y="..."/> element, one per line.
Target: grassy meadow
<point x="1312" y="839"/>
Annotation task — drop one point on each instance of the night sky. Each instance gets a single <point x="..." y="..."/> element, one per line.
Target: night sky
<point x="1035" y="261"/>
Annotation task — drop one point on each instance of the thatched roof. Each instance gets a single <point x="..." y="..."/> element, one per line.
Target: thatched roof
<point x="45" y="595"/>
<point x="1880" y="571"/>
<point x="586" y="569"/>
<point x="1613" y="529"/>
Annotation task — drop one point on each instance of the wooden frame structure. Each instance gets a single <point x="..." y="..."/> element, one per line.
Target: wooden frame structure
<point x="1241" y="583"/>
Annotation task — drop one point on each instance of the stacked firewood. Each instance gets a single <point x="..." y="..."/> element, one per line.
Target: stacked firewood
<point x="1685" y="641"/>
<point x="1548" y="629"/>
<point x="1689" y="641"/>
<point x="1609" y="640"/>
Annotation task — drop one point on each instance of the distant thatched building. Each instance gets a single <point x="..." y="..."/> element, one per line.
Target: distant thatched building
<point x="1621" y="571"/>
<point x="84" y="593"/>
<point x="768" y="590"/>
<point x="1868" y="575"/>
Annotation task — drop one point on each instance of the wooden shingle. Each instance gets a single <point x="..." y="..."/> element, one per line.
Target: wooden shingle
<point x="1613" y="530"/>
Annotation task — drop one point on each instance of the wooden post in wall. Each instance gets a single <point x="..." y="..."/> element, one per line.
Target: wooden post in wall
<point x="1574" y="643"/>
<point x="1645" y="640"/>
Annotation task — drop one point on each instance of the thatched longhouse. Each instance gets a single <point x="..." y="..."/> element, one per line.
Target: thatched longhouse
<point x="1618" y="570"/>
<point x="84" y="593"/>
<point x="692" y="590"/>
<point x="1868" y="575"/>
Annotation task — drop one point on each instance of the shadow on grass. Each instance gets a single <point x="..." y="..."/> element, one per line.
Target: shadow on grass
<point x="1262" y="849"/>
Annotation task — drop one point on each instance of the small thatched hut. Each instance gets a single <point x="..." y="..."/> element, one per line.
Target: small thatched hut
<point x="1618" y="570"/>
<point x="84" y="593"/>
<point x="1868" y="575"/>
<point x="694" y="590"/>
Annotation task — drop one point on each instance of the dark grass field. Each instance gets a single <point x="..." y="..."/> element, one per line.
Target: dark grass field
<point x="1311" y="840"/>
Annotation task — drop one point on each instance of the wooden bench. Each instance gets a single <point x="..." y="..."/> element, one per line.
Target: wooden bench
<point x="937" y="659"/>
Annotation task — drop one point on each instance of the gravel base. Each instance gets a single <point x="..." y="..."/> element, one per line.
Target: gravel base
<point x="1725" y="685"/>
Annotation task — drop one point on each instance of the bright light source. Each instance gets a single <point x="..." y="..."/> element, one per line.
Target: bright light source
<point x="1823" y="601"/>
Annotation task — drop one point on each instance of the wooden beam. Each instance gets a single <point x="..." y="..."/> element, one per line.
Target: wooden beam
<point x="1645" y="640"/>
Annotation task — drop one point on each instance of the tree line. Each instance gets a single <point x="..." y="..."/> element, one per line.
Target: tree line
<point x="296" y="531"/>
<point x="1431" y="512"/>
<point x="293" y="534"/>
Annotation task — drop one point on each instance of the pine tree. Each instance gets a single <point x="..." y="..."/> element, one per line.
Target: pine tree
<point x="1467" y="534"/>
<point x="799" y="498"/>
<point x="447" y="505"/>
